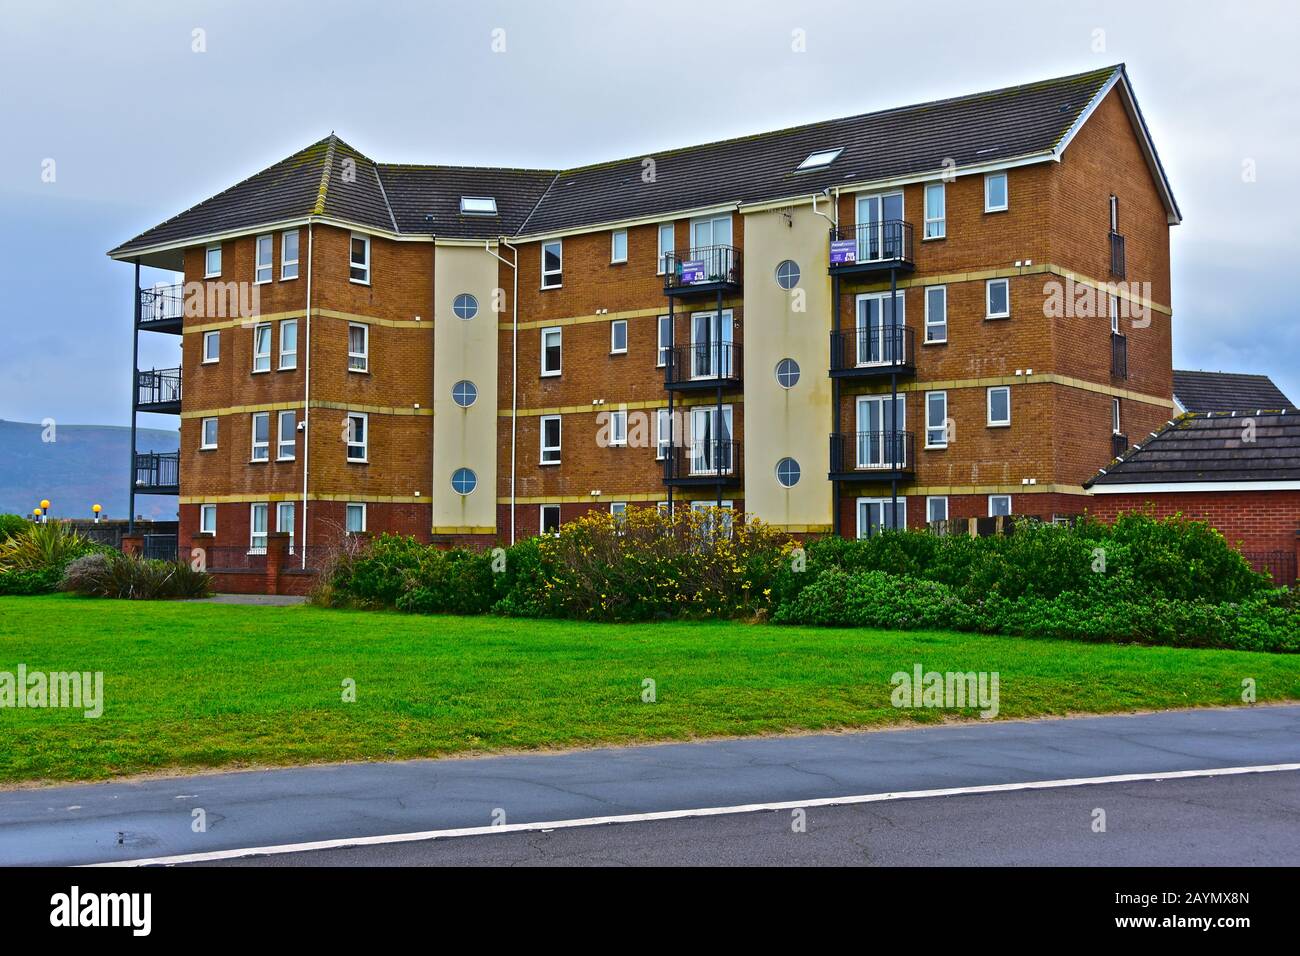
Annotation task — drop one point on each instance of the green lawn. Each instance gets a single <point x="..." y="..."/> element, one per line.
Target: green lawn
<point x="199" y="685"/>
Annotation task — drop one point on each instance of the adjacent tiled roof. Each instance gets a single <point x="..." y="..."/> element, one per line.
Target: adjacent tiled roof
<point x="1227" y="392"/>
<point x="330" y="178"/>
<point x="1212" y="447"/>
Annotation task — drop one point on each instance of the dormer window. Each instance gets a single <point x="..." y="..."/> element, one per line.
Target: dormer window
<point x="819" y="160"/>
<point x="478" y="206"/>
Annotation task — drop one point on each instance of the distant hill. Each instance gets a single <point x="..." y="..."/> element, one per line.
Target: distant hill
<point x="84" y="465"/>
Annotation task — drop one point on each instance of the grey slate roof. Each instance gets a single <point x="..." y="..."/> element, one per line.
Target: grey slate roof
<point x="1227" y="392"/>
<point x="1212" y="447"/>
<point x="981" y="128"/>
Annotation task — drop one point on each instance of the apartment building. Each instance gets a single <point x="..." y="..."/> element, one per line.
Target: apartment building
<point x="953" y="309"/>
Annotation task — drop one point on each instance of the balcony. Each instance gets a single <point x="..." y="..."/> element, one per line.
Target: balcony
<point x="710" y="462"/>
<point x="158" y="390"/>
<point x="157" y="473"/>
<point x="1118" y="355"/>
<point x="872" y="456"/>
<point x="1118" y="444"/>
<point x="702" y="270"/>
<point x="162" y="309"/>
<point x="871" y="247"/>
<point x="707" y="365"/>
<point x="867" y="352"/>
<point x="1118" y="269"/>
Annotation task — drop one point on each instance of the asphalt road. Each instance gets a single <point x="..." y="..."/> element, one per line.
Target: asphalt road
<point x="155" y="818"/>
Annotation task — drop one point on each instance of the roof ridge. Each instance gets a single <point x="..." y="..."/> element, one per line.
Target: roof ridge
<point x="519" y="231"/>
<point x="323" y="191"/>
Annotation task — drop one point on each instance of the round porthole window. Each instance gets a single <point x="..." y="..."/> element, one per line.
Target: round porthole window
<point x="787" y="472"/>
<point x="465" y="306"/>
<point x="787" y="373"/>
<point x="787" y="274"/>
<point x="464" y="481"/>
<point x="464" y="393"/>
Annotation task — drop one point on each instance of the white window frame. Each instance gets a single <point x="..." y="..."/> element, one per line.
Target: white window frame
<point x="557" y="273"/>
<point x="207" y="260"/>
<point x="900" y="514"/>
<point x="290" y="354"/>
<point x="259" y="266"/>
<point x="663" y="324"/>
<point x="942" y="219"/>
<point x="943" y="422"/>
<point x="364" y="354"/>
<point x="559" y="333"/>
<point x="541" y="519"/>
<point x="204" y="511"/>
<point x="280" y="523"/>
<point x="253" y="535"/>
<point x="990" y="178"/>
<point x="351" y="442"/>
<point x="662" y="441"/>
<point x="478" y="206"/>
<point x="265" y="446"/>
<point x="990" y="505"/>
<point x="618" y="428"/>
<point x="1112" y="303"/>
<point x="285" y="261"/>
<point x="1114" y="213"/>
<point x="212" y="336"/>
<point x="988" y="298"/>
<point x="262" y="355"/>
<point x="204" y="445"/>
<point x="618" y="508"/>
<point x="943" y="294"/>
<point x="669" y="229"/>
<point x="931" y="498"/>
<point x="613" y="337"/>
<point x="550" y="454"/>
<point x="614" y="258"/>
<point x="364" y="265"/>
<point x="281" y="440"/>
<point x="1116" y="422"/>
<point x="350" y="507"/>
<point x="988" y="404"/>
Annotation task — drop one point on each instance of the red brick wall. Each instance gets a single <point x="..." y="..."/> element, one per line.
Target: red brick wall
<point x="1253" y="521"/>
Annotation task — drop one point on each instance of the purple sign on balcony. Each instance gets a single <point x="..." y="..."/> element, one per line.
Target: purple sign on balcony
<point x="693" y="272"/>
<point x="844" y="252"/>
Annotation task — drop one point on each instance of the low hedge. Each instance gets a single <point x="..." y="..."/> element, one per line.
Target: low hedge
<point x="113" y="574"/>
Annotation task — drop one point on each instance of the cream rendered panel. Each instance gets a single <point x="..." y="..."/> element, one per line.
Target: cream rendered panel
<point x="464" y="349"/>
<point x="783" y="422"/>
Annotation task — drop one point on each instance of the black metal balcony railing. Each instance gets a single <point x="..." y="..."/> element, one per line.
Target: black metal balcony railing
<point x="1118" y="444"/>
<point x="1118" y="355"/>
<point x="884" y="453"/>
<point x="702" y="267"/>
<point x="161" y="547"/>
<point x="162" y="305"/>
<point x="158" y="387"/>
<point x="869" y="350"/>
<point x="702" y="365"/>
<point x="703" y="462"/>
<point x="158" y="471"/>
<point x="1117" y="265"/>
<point x="866" y="244"/>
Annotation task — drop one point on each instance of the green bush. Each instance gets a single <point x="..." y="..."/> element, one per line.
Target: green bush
<point x="44" y="547"/>
<point x="42" y="581"/>
<point x="113" y="574"/>
<point x="11" y="525"/>
<point x="449" y="582"/>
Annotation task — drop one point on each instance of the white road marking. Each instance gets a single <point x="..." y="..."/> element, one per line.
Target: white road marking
<point x="549" y="825"/>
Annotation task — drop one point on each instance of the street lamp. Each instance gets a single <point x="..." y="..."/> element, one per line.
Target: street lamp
<point x="36" y="515"/>
<point x="45" y="509"/>
<point x="96" y="509"/>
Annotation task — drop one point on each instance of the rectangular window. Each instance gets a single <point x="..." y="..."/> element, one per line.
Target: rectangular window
<point x="208" y="434"/>
<point x="936" y="508"/>
<point x="618" y="335"/>
<point x="936" y="419"/>
<point x="478" y="205"/>
<point x="999" y="402"/>
<point x="208" y="519"/>
<point x="1113" y="303"/>
<point x="1114" y="214"/>
<point x="212" y="261"/>
<point x="289" y="344"/>
<point x="284" y="520"/>
<point x="552" y="264"/>
<point x="358" y="437"/>
<point x="618" y="246"/>
<point x="262" y="268"/>
<point x="936" y="223"/>
<point x="359" y="259"/>
<point x="667" y="243"/>
<point x="261" y="436"/>
<point x="261" y="348"/>
<point x="997" y="299"/>
<point x="551" y="341"/>
<point x="289" y="254"/>
<point x="618" y="428"/>
<point x="358" y="348"/>
<point x="354" y="517"/>
<point x="257" y="528"/>
<point x="665" y="340"/>
<point x="936" y="313"/>
<point x="287" y="440"/>
<point x="1115" y="425"/>
<point x="880" y="514"/>
<point x="550" y="519"/>
<point x="618" y="509"/>
<point x="999" y="505"/>
<point x="211" y="347"/>
<point x="550" y="435"/>
<point x="663" y="433"/>
<point x="995" y="192"/>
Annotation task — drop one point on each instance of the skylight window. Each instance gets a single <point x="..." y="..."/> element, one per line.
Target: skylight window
<point x="478" y="206"/>
<point x="820" y="159"/>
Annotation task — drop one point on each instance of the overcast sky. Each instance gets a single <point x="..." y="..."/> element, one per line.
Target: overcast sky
<point x="141" y="127"/>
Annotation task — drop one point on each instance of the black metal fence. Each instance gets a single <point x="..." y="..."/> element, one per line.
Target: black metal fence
<point x="1118" y="268"/>
<point x="704" y="461"/>
<point x="703" y="266"/>
<point x="871" y="451"/>
<point x="162" y="304"/>
<point x="155" y="469"/>
<point x="1280" y="564"/>
<point x="889" y="240"/>
<point x="159" y="386"/>
<point x="161" y="547"/>
<point x="703" y="362"/>
<point x="1118" y="355"/>
<point x="1118" y="445"/>
<point x="889" y="345"/>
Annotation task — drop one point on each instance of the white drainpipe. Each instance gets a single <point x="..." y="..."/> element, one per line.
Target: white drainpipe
<point x="306" y="406"/>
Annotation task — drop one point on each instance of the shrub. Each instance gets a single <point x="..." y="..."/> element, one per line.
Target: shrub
<point x="42" y="581"/>
<point x="449" y="582"/>
<point x="876" y="599"/>
<point x="44" y="547"/>
<point x="11" y="525"/>
<point x="116" y="575"/>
